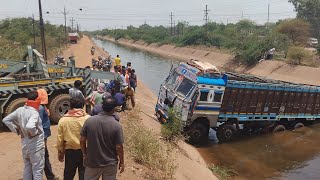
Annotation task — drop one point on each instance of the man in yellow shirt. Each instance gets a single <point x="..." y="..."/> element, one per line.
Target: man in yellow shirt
<point x="117" y="61"/>
<point x="68" y="141"/>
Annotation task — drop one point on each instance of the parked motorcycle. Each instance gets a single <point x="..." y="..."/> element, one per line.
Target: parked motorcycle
<point x="59" y="60"/>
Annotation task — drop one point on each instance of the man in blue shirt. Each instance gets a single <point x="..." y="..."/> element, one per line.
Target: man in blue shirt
<point x="44" y="116"/>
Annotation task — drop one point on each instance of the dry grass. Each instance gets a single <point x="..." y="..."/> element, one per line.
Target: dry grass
<point x="222" y="172"/>
<point x="147" y="149"/>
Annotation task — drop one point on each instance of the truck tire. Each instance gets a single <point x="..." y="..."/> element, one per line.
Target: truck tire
<point x="59" y="106"/>
<point x="279" y="128"/>
<point x="226" y="132"/>
<point x="15" y="104"/>
<point x="198" y="133"/>
<point x="298" y="125"/>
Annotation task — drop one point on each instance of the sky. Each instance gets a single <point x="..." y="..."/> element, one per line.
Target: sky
<point x="99" y="14"/>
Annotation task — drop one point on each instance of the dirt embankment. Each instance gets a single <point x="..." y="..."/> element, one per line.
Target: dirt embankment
<point x="190" y="164"/>
<point x="269" y="69"/>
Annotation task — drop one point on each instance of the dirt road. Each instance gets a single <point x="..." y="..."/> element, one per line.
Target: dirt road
<point x="190" y="166"/>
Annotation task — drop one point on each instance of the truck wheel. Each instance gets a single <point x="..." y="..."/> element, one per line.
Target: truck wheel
<point x="59" y="106"/>
<point x="198" y="134"/>
<point x="15" y="104"/>
<point x="279" y="128"/>
<point x="226" y="132"/>
<point x="298" y="125"/>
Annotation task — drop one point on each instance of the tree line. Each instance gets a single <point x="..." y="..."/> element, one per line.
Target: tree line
<point x="246" y="40"/>
<point x="17" y="33"/>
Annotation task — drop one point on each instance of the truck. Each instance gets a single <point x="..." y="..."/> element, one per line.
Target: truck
<point x="19" y="77"/>
<point x="73" y="38"/>
<point x="232" y="103"/>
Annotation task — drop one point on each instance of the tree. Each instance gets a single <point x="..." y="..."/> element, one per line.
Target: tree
<point x="309" y="10"/>
<point x="297" y="55"/>
<point x="297" y="30"/>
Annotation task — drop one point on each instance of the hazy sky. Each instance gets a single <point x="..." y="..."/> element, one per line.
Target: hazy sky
<point x="121" y="13"/>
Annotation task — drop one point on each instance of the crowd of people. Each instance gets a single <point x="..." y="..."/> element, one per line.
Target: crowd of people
<point x="90" y="144"/>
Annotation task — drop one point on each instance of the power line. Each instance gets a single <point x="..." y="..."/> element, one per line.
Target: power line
<point x="43" y="40"/>
<point x="171" y="23"/>
<point x="206" y="15"/>
<point x="72" y="21"/>
<point x="65" y="23"/>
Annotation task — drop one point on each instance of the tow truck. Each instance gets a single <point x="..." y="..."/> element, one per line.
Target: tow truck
<point x="19" y="77"/>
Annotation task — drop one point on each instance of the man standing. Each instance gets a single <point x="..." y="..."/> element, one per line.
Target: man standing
<point x="25" y="121"/>
<point x="117" y="60"/>
<point x="76" y="92"/>
<point x="68" y="141"/>
<point x="102" y="144"/>
<point x="44" y="116"/>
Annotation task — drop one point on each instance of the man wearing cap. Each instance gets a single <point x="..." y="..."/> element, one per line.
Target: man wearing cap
<point x="102" y="144"/>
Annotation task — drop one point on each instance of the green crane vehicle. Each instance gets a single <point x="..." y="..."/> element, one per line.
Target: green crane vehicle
<point x="17" y="78"/>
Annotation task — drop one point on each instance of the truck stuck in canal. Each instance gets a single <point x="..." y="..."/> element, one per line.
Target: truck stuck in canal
<point x="231" y="103"/>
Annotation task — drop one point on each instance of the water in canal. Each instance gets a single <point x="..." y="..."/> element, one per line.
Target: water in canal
<point x="291" y="155"/>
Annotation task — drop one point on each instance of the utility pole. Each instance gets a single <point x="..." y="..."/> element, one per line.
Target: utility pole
<point x="77" y="28"/>
<point x="242" y="15"/>
<point x="34" y="33"/>
<point x="206" y="14"/>
<point x="171" y="23"/>
<point x="65" y="23"/>
<point x="268" y="13"/>
<point x="44" y="50"/>
<point x="72" y="20"/>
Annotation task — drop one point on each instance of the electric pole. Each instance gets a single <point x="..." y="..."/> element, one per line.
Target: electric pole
<point x="171" y="23"/>
<point x="43" y="41"/>
<point x="65" y="24"/>
<point x="72" y="20"/>
<point x="206" y="14"/>
<point x="268" y="13"/>
<point x="34" y="33"/>
<point x="77" y="28"/>
<point x="242" y="15"/>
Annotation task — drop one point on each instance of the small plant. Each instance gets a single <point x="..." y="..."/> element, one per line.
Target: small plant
<point x="222" y="172"/>
<point x="172" y="130"/>
<point x="147" y="149"/>
<point x="297" y="54"/>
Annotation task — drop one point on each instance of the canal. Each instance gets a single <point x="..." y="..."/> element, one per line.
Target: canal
<point x="290" y="155"/>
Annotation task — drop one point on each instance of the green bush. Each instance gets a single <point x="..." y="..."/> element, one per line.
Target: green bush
<point x="297" y="54"/>
<point x="172" y="130"/>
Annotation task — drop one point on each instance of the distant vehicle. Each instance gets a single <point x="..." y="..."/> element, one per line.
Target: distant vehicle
<point x="312" y="42"/>
<point x="73" y="38"/>
<point x="231" y="103"/>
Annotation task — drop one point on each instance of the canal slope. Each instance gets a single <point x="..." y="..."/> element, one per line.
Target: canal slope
<point x="271" y="69"/>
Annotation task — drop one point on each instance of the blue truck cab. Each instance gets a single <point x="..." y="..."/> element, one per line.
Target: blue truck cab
<point x="195" y="90"/>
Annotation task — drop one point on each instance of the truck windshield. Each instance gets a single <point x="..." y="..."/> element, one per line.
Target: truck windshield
<point x="171" y="82"/>
<point x="186" y="87"/>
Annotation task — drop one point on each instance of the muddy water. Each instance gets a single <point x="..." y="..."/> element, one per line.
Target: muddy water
<point x="290" y="155"/>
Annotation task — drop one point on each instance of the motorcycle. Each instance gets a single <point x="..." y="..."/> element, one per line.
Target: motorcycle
<point x="59" y="60"/>
<point x="107" y="65"/>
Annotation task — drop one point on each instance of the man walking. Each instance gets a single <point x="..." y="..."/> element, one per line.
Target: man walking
<point x="102" y="144"/>
<point x="25" y="121"/>
<point x="68" y="141"/>
<point x="76" y="92"/>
